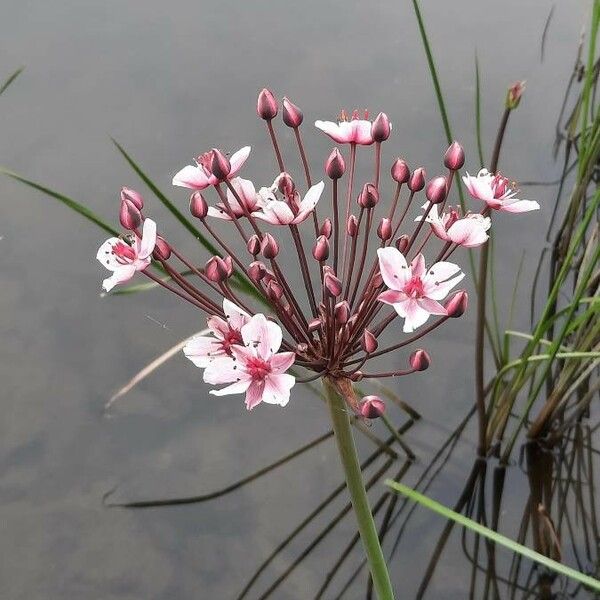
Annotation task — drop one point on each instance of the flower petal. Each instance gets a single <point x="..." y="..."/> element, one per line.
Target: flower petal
<point x="223" y="369"/>
<point x="362" y="132"/>
<point x="239" y="387"/>
<point x="106" y="255"/>
<point x="394" y="270"/>
<point x="415" y="316"/>
<point x="277" y="389"/>
<point x="282" y="361"/>
<point x="262" y="335"/>
<point x="255" y="394"/>
<point x="148" y="239"/>
<point x="238" y="159"/>
<point x="202" y="350"/>
<point x="417" y="265"/>
<point x="192" y="177"/>
<point x="236" y="317"/>
<point x="392" y="297"/>
<point x="519" y="206"/>
<point x="121" y="275"/>
<point x="276" y="212"/>
<point x="335" y="131"/>
<point x="309" y="202"/>
<point x="431" y="306"/>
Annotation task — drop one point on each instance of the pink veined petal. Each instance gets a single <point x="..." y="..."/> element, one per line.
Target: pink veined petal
<point x="262" y="335"/>
<point x="148" y="239"/>
<point x="309" y="202"/>
<point x="245" y="190"/>
<point x="415" y="316"/>
<point x="218" y="326"/>
<point x="334" y="131"/>
<point x="277" y="389"/>
<point x="468" y="232"/>
<point x="202" y="350"/>
<point x="440" y="231"/>
<point x="440" y="271"/>
<point x="255" y="394"/>
<point x="392" y="297"/>
<point x="276" y="212"/>
<point x="218" y="213"/>
<point x="238" y="159"/>
<point x="106" y="256"/>
<point x="394" y="270"/>
<point x="418" y="265"/>
<point x="519" y="206"/>
<point x="121" y="275"/>
<point x="438" y="291"/>
<point x="431" y="306"/>
<point x="191" y="177"/>
<point x="236" y="317"/>
<point x="282" y="361"/>
<point x="239" y="387"/>
<point x="482" y="189"/>
<point x="223" y="369"/>
<point x="362" y="132"/>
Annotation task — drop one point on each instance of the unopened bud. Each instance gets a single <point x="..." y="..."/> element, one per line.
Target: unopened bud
<point x="269" y="246"/>
<point x="285" y="184"/>
<point x="368" y="342"/>
<point x="198" y="205"/>
<point x="436" y="190"/>
<point x="369" y="196"/>
<point x="341" y="312"/>
<point x="400" y="171"/>
<point x="402" y="243"/>
<point x="217" y="269"/>
<point x="372" y="407"/>
<point x="129" y="215"/>
<point x="332" y="284"/>
<point x="513" y="96"/>
<point x="133" y="197"/>
<point x="352" y="226"/>
<point x="419" y="360"/>
<point x="356" y="376"/>
<point x="384" y="230"/>
<point x="457" y="304"/>
<point x="253" y="245"/>
<point x="292" y="115"/>
<point x="162" y="250"/>
<point x="335" y="166"/>
<point x="416" y="181"/>
<point x="381" y="128"/>
<point x="326" y="228"/>
<point x="219" y="164"/>
<point x="256" y="271"/>
<point x="274" y="290"/>
<point x="454" y="159"/>
<point x="266" y="106"/>
<point x="321" y="249"/>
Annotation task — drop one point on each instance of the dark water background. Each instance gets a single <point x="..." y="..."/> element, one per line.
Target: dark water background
<point x="169" y="80"/>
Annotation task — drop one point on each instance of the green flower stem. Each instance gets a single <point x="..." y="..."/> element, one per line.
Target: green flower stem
<point x="358" y="495"/>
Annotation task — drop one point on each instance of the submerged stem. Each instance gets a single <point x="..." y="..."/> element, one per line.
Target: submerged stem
<point x="358" y="495"/>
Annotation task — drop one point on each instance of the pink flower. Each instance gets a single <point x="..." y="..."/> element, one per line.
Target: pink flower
<point x="255" y="368"/>
<point x="202" y="350"/>
<point x="414" y="292"/>
<point x="280" y="212"/>
<point x="200" y="175"/>
<point x="468" y="231"/>
<point x="348" y="131"/>
<point x="247" y="193"/>
<point x="124" y="259"/>
<point x="497" y="193"/>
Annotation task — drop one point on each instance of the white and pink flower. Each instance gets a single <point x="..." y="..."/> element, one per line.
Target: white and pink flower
<point x="255" y="368"/>
<point x="200" y="175"/>
<point x="497" y="192"/>
<point x="247" y="193"/>
<point x="414" y="291"/>
<point x="348" y="131"/>
<point x="469" y="230"/>
<point x="290" y="212"/>
<point x="125" y="259"/>
<point x="204" y="349"/>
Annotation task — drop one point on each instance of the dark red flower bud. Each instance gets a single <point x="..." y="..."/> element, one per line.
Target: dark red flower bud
<point x="369" y="196"/>
<point x="356" y="376"/>
<point x="513" y="97"/>
<point x="437" y="190"/>
<point x="292" y="115"/>
<point x="217" y="269"/>
<point x="326" y="228"/>
<point x="419" y="360"/>
<point x="253" y="245"/>
<point x="274" y="290"/>
<point x="381" y="128"/>
<point x="400" y="171"/>
<point x="352" y="226"/>
<point x="321" y="249"/>
<point x="162" y="250"/>
<point x="129" y="215"/>
<point x="198" y="205"/>
<point x="454" y="159"/>
<point x="457" y="304"/>
<point x="384" y="231"/>
<point x="368" y="342"/>
<point x="416" y="181"/>
<point x="285" y="184"/>
<point x="266" y="106"/>
<point x="332" y="284"/>
<point x="256" y="271"/>
<point x="132" y="196"/>
<point x="341" y="311"/>
<point x="372" y="407"/>
<point x="219" y="164"/>
<point x="335" y="166"/>
<point x="402" y="243"/>
<point x="269" y="246"/>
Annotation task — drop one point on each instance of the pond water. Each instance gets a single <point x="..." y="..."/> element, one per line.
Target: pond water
<point x="169" y="80"/>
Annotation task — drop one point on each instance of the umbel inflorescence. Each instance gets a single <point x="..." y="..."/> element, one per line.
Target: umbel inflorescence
<point x="368" y="255"/>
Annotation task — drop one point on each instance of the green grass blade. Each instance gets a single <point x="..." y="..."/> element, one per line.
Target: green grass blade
<point x="7" y="83"/>
<point x="69" y="202"/>
<point x="494" y="536"/>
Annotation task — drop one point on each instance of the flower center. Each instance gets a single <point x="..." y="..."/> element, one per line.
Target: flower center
<point x="257" y="368"/>
<point x="204" y="161"/>
<point x="233" y="338"/>
<point x="500" y="185"/>
<point x="414" y="288"/>
<point x="123" y="252"/>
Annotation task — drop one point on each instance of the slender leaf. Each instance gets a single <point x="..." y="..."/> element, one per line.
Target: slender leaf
<point x="7" y="83"/>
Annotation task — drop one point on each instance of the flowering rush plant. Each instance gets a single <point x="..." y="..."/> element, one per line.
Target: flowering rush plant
<point x="370" y="258"/>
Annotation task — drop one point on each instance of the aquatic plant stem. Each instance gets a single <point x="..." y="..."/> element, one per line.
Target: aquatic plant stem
<point x="358" y="495"/>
